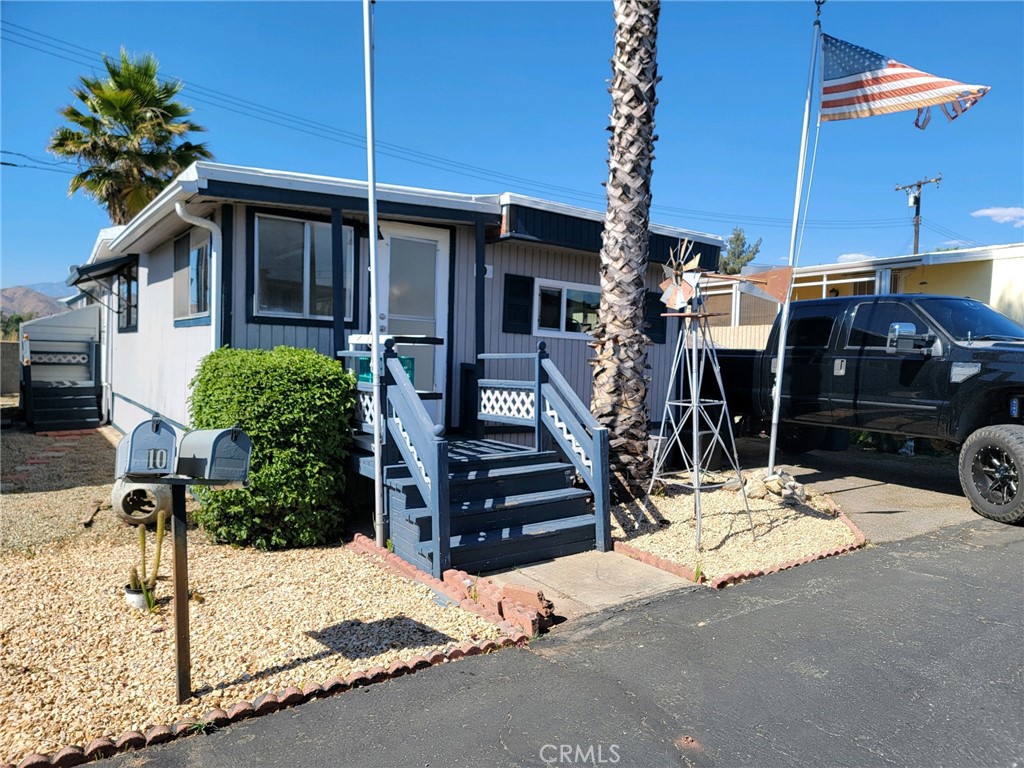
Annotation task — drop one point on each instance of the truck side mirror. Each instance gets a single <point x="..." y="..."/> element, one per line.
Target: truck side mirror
<point x="903" y="337"/>
<point x="148" y="450"/>
<point x="217" y="455"/>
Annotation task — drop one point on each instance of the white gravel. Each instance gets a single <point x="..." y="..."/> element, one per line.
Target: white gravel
<point x="77" y="663"/>
<point x="782" y="534"/>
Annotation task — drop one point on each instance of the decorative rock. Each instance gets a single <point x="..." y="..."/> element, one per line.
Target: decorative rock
<point x="100" y="748"/>
<point x="158" y="734"/>
<point x="130" y="740"/>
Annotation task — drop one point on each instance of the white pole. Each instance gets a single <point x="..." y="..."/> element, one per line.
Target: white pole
<point x="371" y="206"/>
<point x="784" y="318"/>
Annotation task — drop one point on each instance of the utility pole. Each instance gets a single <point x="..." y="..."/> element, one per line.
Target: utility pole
<point x="914" y="198"/>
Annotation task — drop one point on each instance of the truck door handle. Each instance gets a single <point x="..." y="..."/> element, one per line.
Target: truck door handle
<point x="839" y="367"/>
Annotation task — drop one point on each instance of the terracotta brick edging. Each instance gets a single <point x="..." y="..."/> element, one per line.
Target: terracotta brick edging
<point x="735" y="578"/>
<point x="515" y="610"/>
<point x="490" y="603"/>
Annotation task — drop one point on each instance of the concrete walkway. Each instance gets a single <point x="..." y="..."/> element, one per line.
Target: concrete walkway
<point x="905" y="654"/>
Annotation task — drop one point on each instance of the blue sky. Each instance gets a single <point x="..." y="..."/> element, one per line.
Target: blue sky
<point x="511" y="96"/>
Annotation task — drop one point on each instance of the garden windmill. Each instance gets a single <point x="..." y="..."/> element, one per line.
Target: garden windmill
<point x="695" y="410"/>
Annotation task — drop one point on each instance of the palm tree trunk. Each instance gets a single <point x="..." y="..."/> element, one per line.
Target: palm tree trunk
<point x="620" y="365"/>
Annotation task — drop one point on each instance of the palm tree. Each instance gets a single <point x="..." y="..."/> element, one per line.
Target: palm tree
<point x="619" y="399"/>
<point x="127" y="135"/>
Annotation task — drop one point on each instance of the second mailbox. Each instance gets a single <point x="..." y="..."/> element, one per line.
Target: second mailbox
<point x="220" y="456"/>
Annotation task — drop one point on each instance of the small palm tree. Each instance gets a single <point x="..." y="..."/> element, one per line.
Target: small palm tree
<point x="619" y="399"/>
<point x="126" y="135"/>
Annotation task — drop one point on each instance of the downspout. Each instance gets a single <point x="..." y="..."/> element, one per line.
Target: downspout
<point x="215" y="249"/>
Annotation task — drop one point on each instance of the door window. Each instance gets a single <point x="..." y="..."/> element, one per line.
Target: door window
<point x="872" y="320"/>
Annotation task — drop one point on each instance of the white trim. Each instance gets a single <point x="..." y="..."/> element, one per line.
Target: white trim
<point x="441" y="239"/>
<point x="544" y="282"/>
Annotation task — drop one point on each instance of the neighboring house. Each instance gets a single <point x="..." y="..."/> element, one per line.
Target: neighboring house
<point x="254" y="258"/>
<point x="992" y="274"/>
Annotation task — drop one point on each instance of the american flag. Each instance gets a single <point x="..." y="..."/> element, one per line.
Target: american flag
<point x="862" y="83"/>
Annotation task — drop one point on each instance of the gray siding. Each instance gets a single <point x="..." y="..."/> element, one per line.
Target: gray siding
<point x="570" y="355"/>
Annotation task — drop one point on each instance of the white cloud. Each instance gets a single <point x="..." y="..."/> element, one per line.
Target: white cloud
<point x="853" y="257"/>
<point x="954" y="244"/>
<point x="999" y="215"/>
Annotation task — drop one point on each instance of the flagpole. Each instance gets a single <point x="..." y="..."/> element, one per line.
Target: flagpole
<point x="784" y="319"/>
<point x="371" y="207"/>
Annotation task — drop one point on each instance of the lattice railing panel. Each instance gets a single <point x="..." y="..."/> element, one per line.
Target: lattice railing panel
<point x="364" y="401"/>
<point x="508" y="402"/>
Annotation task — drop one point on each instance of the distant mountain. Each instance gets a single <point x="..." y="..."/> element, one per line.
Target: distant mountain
<point x="23" y="301"/>
<point x="56" y="290"/>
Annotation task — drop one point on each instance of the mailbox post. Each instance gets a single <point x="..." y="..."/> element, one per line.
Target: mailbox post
<point x="218" y="458"/>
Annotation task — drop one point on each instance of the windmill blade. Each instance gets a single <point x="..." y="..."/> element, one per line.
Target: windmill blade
<point x="772" y="285"/>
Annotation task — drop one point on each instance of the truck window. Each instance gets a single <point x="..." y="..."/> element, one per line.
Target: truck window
<point x="807" y="330"/>
<point x="871" y="321"/>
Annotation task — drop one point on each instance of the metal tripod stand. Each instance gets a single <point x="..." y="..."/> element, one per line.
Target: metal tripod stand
<point x="696" y="413"/>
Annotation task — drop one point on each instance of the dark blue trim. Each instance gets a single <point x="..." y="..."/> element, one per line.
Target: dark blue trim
<point x="449" y="345"/>
<point x="277" y="196"/>
<point x="250" y="261"/>
<point x="479" y="317"/>
<point x="150" y="411"/>
<point x="227" y="272"/>
<point x="191" y="322"/>
<point x="559" y="229"/>
<point x="338" y="279"/>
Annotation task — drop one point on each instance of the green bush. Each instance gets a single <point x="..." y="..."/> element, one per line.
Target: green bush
<point x="295" y="405"/>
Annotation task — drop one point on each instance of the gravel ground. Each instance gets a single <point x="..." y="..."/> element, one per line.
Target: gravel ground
<point x="78" y="663"/>
<point x="665" y="525"/>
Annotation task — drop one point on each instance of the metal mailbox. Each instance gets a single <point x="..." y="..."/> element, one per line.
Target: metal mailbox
<point x="148" y="450"/>
<point x="220" y="456"/>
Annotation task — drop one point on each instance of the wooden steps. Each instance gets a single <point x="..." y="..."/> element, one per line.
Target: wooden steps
<point x="506" y="508"/>
<point x="73" y="406"/>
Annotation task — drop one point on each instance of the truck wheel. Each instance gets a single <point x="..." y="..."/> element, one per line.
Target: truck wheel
<point x="991" y="464"/>
<point x="800" y="438"/>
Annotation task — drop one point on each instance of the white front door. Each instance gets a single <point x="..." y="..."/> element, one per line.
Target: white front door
<point x="415" y="259"/>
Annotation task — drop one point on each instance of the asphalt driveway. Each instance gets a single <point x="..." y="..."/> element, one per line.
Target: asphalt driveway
<point x="903" y="654"/>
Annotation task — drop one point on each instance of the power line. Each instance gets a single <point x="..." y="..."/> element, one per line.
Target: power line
<point x="76" y="54"/>
<point x="7" y="164"/>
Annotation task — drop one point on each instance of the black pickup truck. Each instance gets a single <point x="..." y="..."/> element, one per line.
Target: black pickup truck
<point x="940" y="367"/>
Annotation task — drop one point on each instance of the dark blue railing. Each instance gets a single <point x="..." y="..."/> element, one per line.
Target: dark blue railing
<point x="549" y="404"/>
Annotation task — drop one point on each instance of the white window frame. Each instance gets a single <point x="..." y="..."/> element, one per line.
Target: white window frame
<point x="348" y="255"/>
<point x="563" y="286"/>
<point x="202" y="244"/>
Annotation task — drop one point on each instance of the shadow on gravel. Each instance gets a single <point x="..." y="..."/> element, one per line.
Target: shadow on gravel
<point x="354" y="640"/>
